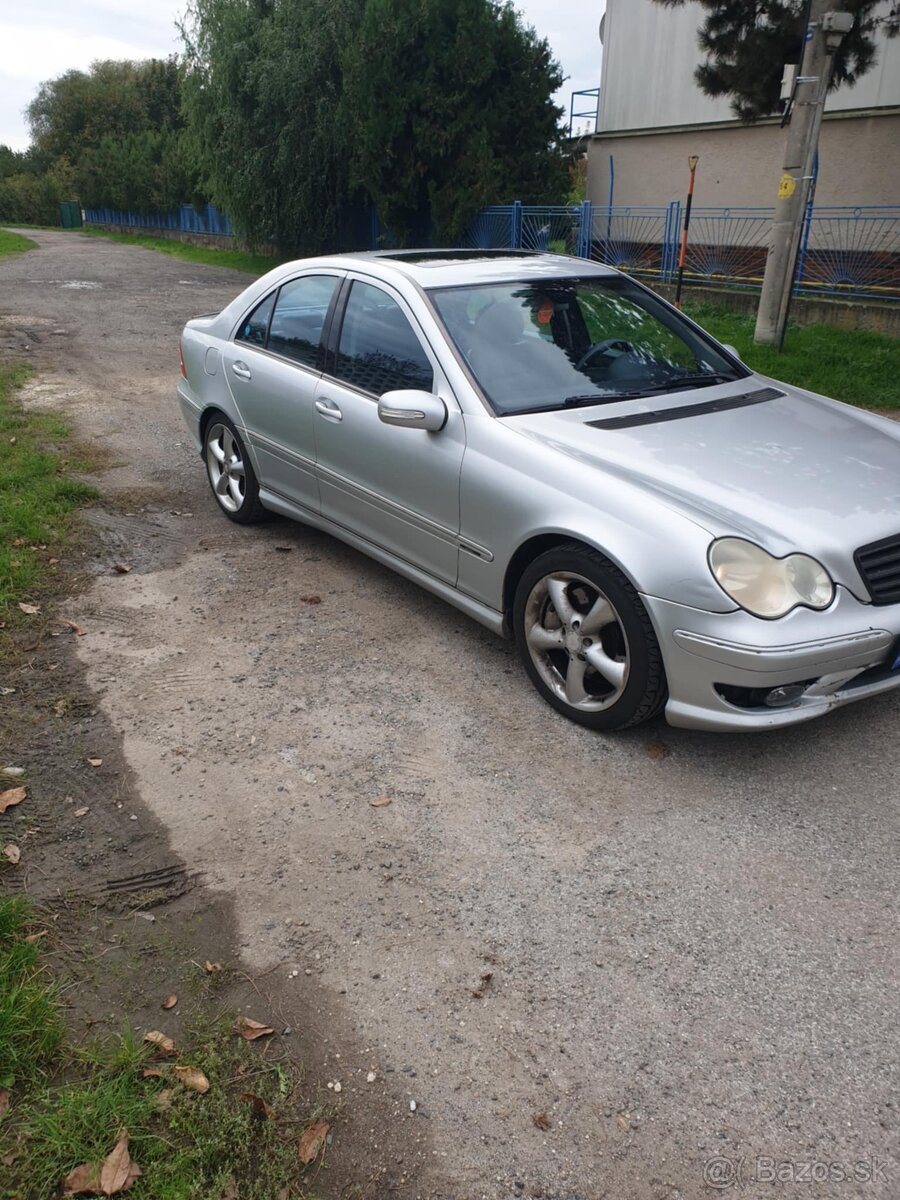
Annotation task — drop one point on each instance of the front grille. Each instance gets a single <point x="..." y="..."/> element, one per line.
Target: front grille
<point x="879" y="565"/>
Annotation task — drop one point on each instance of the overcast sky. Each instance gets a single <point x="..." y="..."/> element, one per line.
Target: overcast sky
<point x="44" y="38"/>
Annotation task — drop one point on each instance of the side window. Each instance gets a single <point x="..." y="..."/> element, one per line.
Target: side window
<point x="254" y="328"/>
<point x="378" y="350"/>
<point x="299" y="318"/>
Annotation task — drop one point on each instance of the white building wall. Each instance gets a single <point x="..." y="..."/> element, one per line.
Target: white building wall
<point x="649" y="57"/>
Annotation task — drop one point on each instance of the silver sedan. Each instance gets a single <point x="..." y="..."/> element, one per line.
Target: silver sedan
<point x="555" y="450"/>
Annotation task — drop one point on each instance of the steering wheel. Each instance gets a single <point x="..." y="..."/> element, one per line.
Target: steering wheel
<point x="617" y="344"/>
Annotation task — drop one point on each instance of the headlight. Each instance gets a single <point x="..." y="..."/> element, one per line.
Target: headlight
<point x="767" y="586"/>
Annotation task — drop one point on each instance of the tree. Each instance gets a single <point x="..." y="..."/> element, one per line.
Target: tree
<point x="300" y="110"/>
<point x="748" y="42"/>
<point x="449" y="104"/>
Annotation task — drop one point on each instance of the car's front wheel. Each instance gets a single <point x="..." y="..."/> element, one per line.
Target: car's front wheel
<point x="586" y="640"/>
<point x="231" y="475"/>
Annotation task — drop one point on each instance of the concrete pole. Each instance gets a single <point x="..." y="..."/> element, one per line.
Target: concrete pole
<point x="793" y="190"/>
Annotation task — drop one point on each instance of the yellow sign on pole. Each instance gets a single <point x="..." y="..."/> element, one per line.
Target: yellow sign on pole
<point x="787" y="186"/>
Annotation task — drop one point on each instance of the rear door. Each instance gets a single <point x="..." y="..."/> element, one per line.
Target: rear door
<point x="398" y="488"/>
<point x="272" y="366"/>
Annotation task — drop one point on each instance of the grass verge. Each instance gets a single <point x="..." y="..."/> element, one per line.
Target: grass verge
<point x="849" y="364"/>
<point x="37" y="501"/>
<point x="14" y="243"/>
<point x="238" y="260"/>
<point x="62" y="1106"/>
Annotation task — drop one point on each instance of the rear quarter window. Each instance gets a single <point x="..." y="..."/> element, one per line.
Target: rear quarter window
<point x="254" y="328"/>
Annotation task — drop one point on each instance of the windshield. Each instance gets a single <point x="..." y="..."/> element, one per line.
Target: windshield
<point x="564" y="342"/>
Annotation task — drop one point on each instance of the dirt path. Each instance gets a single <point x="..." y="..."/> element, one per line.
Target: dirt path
<point x="691" y="941"/>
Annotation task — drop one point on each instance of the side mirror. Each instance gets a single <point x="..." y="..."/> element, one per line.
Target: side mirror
<point x="731" y="350"/>
<point x="413" y="410"/>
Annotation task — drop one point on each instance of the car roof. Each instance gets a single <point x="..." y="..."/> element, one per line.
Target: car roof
<point x="452" y="268"/>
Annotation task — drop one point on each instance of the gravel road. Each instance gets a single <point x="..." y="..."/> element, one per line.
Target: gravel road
<point x="602" y="967"/>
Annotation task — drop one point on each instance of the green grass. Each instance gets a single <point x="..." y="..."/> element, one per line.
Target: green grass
<point x="849" y="364"/>
<point x="14" y="243"/>
<point x="238" y="260"/>
<point x="67" y="1105"/>
<point x="37" y="500"/>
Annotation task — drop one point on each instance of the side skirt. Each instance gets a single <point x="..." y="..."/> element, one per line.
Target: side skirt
<point x="479" y="612"/>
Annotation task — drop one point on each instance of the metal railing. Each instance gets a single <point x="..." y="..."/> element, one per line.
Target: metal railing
<point x="185" y="219"/>
<point x="852" y="252"/>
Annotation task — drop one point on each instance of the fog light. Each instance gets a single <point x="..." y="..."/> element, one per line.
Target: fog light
<point x="786" y="694"/>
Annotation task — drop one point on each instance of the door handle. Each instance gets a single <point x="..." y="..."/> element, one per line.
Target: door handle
<point x="329" y="409"/>
<point x="241" y="370"/>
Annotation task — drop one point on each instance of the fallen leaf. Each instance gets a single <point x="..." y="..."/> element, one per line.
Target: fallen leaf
<point x="153" y="1073"/>
<point x="12" y="853"/>
<point x="30" y="610"/>
<point x="76" y="628"/>
<point x="52" y="561"/>
<point x="163" y="1098"/>
<point x="657" y="750"/>
<point x="212" y="968"/>
<point x="81" y="1180"/>
<point x="120" y="568"/>
<point x="483" y="983"/>
<point x="12" y="772"/>
<point x="95" y="762"/>
<point x="4" y="1100"/>
<point x="231" y="1192"/>
<point x="118" y="1172"/>
<point x="35" y="937"/>
<point x="623" y="1124"/>
<point x="251" y="1030"/>
<point x="10" y="797"/>
<point x="305" y="599"/>
<point x="541" y="1121"/>
<point x="311" y="1141"/>
<point x="284" y="549"/>
<point x="170" y="1001"/>
<point x="381" y="802"/>
<point x="165" y="1044"/>
<point x="260" y="1107"/>
<point x="192" y="1078"/>
<point x="80" y="812"/>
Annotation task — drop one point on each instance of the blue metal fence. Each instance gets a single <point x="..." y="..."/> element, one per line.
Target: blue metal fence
<point x="185" y="219"/>
<point x="850" y="252"/>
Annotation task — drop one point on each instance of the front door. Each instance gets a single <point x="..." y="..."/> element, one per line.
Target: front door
<point x="398" y="488"/>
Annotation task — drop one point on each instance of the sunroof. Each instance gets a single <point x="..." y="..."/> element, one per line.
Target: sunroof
<point x="424" y="257"/>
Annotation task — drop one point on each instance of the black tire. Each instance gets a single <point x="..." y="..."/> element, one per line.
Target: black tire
<point x="230" y="473"/>
<point x="626" y="643"/>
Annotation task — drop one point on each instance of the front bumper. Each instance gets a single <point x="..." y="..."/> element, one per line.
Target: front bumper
<point x="840" y="655"/>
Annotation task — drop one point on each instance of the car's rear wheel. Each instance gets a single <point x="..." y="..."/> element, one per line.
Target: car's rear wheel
<point x="231" y="475"/>
<point x="586" y="640"/>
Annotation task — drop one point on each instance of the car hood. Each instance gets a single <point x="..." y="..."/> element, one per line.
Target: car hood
<point x="786" y="468"/>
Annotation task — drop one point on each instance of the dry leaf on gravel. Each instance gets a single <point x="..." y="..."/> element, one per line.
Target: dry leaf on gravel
<point x="30" y="610"/>
<point x="120" y="568"/>
<point x="380" y="802"/>
<point x="12" y="853"/>
<point x="81" y="812"/>
<point x="192" y="1078"/>
<point x="10" y="797"/>
<point x="212" y="968"/>
<point x="260" y="1107"/>
<point x="541" y="1121"/>
<point x="483" y="983"/>
<point x="165" y="1044"/>
<point x="284" y="549"/>
<point x="12" y="772"/>
<point x="95" y="762"/>
<point x="170" y="1001"/>
<point x="311" y="599"/>
<point x="657" y="750"/>
<point x="250" y="1030"/>
<point x="35" y="937"/>
<point x="311" y="1141"/>
<point x="76" y="628"/>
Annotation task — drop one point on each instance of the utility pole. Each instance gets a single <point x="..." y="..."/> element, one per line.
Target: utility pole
<point x="827" y="26"/>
